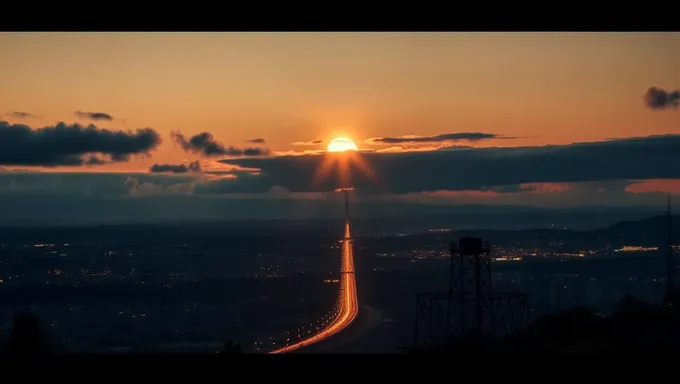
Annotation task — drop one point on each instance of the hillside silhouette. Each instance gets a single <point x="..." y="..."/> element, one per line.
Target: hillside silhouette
<point x="634" y="326"/>
<point x="653" y="230"/>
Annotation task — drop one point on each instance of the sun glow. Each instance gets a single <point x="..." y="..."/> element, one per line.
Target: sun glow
<point x="341" y="144"/>
<point x="342" y="159"/>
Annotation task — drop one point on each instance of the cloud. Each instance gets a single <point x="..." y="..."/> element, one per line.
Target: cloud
<point x="71" y="144"/>
<point x="651" y="186"/>
<point x="21" y="115"/>
<point x="194" y="166"/>
<point x="204" y="144"/>
<point x="136" y="188"/>
<point x="660" y="99"/>
<point x="602" y="193"/>
<point x="54" y="198"/>
<point x="461" y="136"/>
<point x="96" y="116"/>
<point x="78" y="183"/>
<point x="256" y="141"/>
<point x="652" y="157"/>
<point x="307" y="143"/>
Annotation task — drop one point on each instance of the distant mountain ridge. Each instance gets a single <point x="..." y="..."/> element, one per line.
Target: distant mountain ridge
<point x="650" y="230"/>
<point x="646" y="231"/>
<point x="36" y="211"/>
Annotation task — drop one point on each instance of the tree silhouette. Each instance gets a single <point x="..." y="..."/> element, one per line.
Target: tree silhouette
<point x="629" y="303"/>
<point x="634" y="325"/>
<point x="27" y="338"/>
<point x="231" y="347"/>
<point x="637" y="324"/>
<point x="566" y="330"/>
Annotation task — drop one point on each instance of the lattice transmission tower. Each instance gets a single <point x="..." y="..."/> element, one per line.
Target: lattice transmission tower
<point x="470" y="306"/>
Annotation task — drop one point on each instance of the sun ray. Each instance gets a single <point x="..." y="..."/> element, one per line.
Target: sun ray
<point x="341" y="159"/>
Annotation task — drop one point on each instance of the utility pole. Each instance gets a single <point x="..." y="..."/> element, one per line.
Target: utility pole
<point x="345" y="191"/>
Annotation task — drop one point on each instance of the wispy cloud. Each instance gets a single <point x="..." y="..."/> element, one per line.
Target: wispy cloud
<point x="96" y="116"/>
<point x="307" y="143"/>
<point x="21" y="115"/>
<point x="446" y="137"/>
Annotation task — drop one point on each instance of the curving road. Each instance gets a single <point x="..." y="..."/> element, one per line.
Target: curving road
<point x="348" y="300"/>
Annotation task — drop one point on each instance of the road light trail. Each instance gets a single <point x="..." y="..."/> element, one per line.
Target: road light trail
<point x="348" y="300"/>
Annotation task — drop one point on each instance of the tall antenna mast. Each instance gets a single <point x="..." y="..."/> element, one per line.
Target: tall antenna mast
<point x="670" y="264"/>
<point x="346" y="193"/>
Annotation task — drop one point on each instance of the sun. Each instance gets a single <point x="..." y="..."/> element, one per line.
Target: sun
<point x="342" y="159"/>
<point x="341" y="144"/>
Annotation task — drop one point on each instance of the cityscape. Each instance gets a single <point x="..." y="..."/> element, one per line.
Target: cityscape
<point x="284" y="193"/>
<point x="266" y="293"/>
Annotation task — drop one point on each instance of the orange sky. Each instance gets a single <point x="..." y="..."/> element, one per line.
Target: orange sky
<point x="287" y="87"/>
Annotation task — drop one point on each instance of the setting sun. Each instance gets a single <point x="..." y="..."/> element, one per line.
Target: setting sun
<point x="342" y="158"/>
<point x="341" y="144"/>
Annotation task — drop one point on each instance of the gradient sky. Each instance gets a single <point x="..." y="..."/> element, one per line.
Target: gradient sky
<point x="537" y="88"/>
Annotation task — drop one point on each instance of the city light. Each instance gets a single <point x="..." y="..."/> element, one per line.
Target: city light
<point x="636" y="248"/>
<point x="347" y="304"/>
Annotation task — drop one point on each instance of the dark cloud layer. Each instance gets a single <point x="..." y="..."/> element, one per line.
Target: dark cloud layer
<point x="96" y="116"/>
<point x="194" y="166"/>
<point x="52" y="198"/>
<point x="204" y="144"/>
<point x="659" y="99"/>
<point x="460" y="136"/>
<point x="256" y="141"/>
<point x="21" y="115"/>
<point x="71" y="145"/>
<point x="651" y="157"/>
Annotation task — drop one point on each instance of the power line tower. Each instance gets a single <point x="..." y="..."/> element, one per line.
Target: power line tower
<point x="470" y="306"/>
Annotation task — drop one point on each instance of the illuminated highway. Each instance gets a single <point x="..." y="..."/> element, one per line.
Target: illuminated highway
<point x="349" y="304"/>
